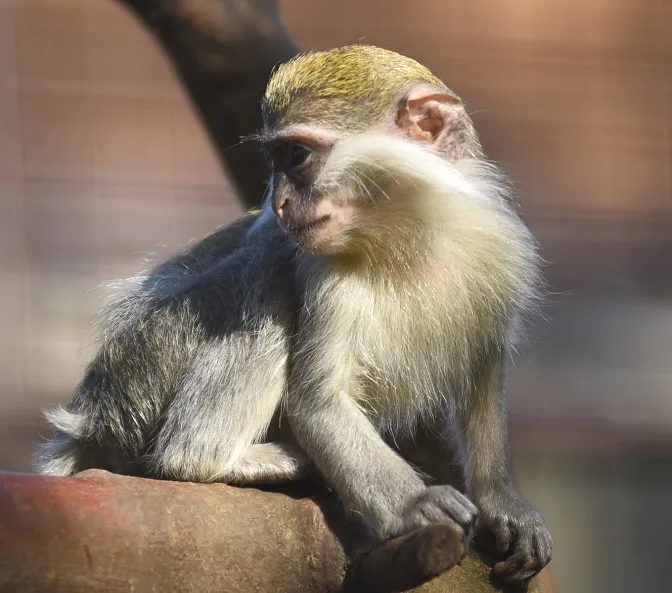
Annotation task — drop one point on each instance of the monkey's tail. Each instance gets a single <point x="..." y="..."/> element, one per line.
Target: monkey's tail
<point x="71" y="449"/>
<point x="74" y="424"/>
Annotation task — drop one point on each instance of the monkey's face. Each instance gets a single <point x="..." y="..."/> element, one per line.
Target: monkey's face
<point x="335" y="192"/>
<point x="315" y="216"/>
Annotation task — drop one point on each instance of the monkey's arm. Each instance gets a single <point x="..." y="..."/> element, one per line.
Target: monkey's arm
<point x="371" y="479"/>
<point x="518" y="528"/>
<point x="352" y="457"/>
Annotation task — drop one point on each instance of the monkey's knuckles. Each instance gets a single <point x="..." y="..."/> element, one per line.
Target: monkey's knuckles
<point x="445" y="505"/>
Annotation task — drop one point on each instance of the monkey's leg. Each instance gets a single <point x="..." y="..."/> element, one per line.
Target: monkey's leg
<point x="518" y="528"/>
<point x="269" y="463"/>
<point x="371" y="478"/>
<point x="223" y="407"/>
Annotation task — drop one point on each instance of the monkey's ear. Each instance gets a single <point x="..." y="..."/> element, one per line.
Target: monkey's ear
<point x="430" y="114"/>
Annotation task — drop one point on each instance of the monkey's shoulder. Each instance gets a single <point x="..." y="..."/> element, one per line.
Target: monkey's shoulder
<point x="225" y="270"/>
<point x="211" y="249"/>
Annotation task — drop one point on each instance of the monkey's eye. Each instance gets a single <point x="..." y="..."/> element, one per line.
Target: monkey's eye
<point x="299" y="157"/>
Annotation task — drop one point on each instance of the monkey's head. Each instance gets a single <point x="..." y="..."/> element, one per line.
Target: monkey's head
<point x="320" y="110"/>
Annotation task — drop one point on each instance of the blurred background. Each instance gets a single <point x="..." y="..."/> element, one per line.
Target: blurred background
<point x="103" y="163"/>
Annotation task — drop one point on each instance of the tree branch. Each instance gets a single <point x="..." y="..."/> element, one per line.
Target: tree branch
<point x="103" y="532"/>
<point x="224" y="51"/>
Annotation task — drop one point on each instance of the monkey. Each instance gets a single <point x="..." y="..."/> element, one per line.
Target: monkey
<point x="382" y="289"/>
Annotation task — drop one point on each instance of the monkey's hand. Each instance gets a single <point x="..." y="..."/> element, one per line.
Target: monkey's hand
<point x="441" y="504"/>
<point x="520" y="534"/>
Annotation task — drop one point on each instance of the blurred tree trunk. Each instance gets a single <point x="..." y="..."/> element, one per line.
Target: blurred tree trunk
<point x="223" y="51"/>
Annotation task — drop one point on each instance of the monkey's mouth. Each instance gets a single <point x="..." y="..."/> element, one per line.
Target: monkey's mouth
<point x="305" y="228"/>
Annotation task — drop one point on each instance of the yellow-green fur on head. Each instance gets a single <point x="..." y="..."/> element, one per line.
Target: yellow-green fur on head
<point x="321" y="86"/>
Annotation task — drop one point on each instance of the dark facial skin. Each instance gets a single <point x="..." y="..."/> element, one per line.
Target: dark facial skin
<point x="312" y="219"/>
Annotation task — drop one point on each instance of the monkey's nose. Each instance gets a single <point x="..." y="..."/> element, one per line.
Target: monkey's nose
<point x="279" y="207"/>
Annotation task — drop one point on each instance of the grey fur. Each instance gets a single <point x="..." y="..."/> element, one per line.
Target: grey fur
<point x="183" y="357"/>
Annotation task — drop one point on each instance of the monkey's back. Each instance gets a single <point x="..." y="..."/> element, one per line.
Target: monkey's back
<point x="157" y="334"/>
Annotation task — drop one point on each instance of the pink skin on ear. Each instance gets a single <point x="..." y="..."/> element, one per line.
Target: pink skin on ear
<point x="433" y="115"/>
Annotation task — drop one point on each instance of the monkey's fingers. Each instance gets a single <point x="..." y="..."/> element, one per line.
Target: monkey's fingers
<point x="516" y="569"/>
<point x="531" y="554"/>
<point x="471" y="508"/>
<point x="503" y="536"/>
<point x="428" y="516"/>
<point x="441" y="504"/>
<point x="544" y="547"/>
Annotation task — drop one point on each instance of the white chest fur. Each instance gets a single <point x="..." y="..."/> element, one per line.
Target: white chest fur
<point x="411" y="344"/>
